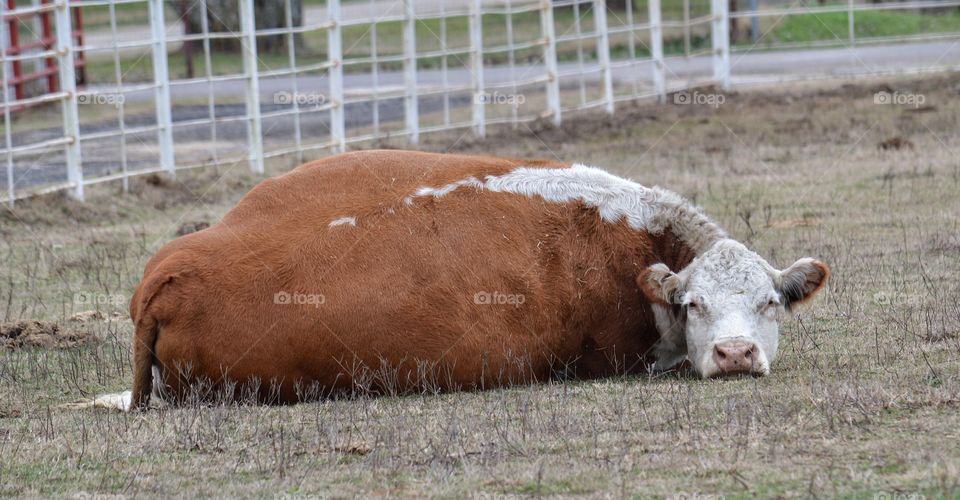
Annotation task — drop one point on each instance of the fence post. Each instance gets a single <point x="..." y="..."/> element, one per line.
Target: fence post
<point x="68" y="84"/>
<point x="720" y="36"/>
<point x="851" y="32"/>
<point x="5" y="42"/>
<point x="603" y="52"/>
<point x="548" y="30"/>
<point x="656" y="51"/>
<point x="252" y="72"/>
<point x="5" y="72"/>
<point x="411" y="112"/>
<point x="161" y="82"/>
<point x="335" y="45"/>
<point x="476" y="71"/>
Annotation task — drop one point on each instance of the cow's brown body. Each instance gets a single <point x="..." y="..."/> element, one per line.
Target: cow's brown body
<point x="399" y="288"/>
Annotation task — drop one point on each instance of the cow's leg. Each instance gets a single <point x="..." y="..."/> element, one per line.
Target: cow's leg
<point x="159" y="392"/>
<point x="122" y="401"/>
<point x="117" y="401"/>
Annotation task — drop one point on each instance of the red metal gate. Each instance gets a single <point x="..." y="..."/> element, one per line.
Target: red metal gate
<point x="46" y="42"/>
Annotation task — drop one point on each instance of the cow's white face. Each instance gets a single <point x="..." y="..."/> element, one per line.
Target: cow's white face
<point x="721" y="311"/>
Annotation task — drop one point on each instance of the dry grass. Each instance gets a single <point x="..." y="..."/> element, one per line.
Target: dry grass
<point x="863" y="400"/>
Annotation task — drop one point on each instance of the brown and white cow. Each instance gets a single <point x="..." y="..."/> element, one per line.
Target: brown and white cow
<point x="482" y="271"/>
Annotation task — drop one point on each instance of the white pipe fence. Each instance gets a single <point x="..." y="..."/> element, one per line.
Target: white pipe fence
<point x="399" y="70"/>
<point x="68" y="85"/>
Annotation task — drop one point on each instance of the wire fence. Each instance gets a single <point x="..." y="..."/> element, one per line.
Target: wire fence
<point x="179" y="85"/>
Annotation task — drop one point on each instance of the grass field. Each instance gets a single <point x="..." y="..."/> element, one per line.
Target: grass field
<point x="833" y="26"/>
<point x="864" y="399"/>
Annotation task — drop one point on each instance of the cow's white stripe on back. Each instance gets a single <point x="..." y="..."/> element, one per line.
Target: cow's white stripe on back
<point x="352" y="221"/>
<point x="616" y="198"/>
<point x="449" y="188"/>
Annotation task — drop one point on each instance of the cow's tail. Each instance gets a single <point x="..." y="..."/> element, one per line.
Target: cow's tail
<point x="144" y="342"/>
<point x="146" y="330"/>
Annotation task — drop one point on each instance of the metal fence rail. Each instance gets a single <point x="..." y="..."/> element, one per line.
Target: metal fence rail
<point x="399" y="70"/>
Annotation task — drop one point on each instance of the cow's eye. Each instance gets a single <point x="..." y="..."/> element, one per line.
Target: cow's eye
<point x="770" y="304"/>
<point x="694" y="306"/>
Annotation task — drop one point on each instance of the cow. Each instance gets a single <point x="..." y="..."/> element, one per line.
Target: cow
<point x="469" y="272"/>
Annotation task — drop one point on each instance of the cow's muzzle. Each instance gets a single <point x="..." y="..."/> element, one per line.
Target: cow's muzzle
<point x="735" y="357"/>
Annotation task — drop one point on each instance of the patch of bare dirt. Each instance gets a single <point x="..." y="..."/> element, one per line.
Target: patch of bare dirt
<point x="766" y="104"/>
<point x="944" y="242"/>
<point x="161" y="192"/>
<point x="19" y="334"/>
<point x="154" y="192"/>
<point x="895" y="144"/>
<point x="801" y="222"/>
<point x="192" y="227"/>
<point x="10" y="413"/>
<point x="93" y="315"/>
<point x="357" y="448"/>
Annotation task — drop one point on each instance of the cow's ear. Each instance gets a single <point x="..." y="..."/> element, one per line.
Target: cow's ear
<point x="660" y="285"/>
<point x="799" y="282"/>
